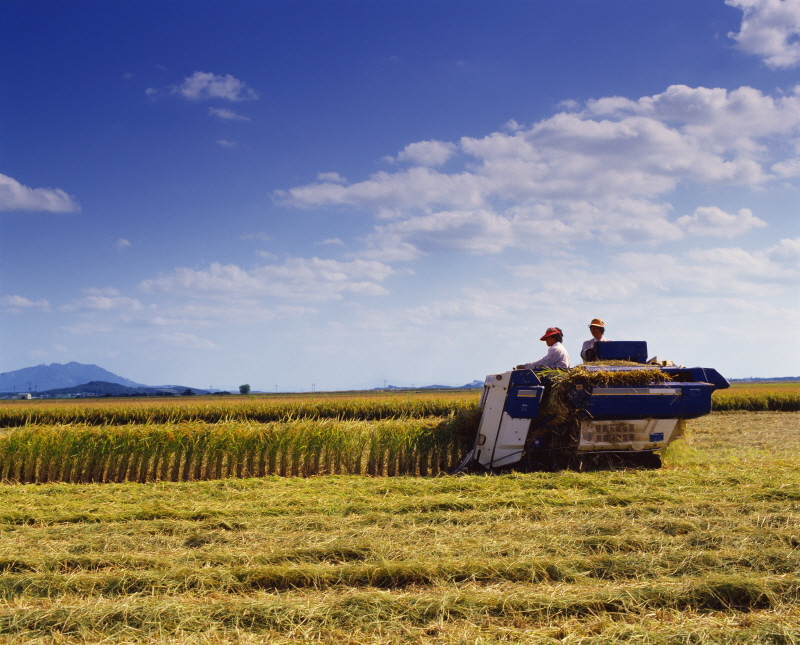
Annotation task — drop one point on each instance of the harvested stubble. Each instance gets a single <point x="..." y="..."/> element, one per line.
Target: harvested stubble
<point x="699" y="552"/>
<point x="196" y="451"/>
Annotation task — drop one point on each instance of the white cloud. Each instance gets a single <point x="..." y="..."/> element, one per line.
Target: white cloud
<point x="16" y="197"/>
<point x="770" y="29"/>
<point x="123" y="244"/>
<point x="786" y="252"/>
<point x="18" y="304"/>
<point x="604" y="173"/>
<point x="205" y="85"/>
<point x="263" y="237"/>
<point x="710" y="220"/>
<point x="296" y="278"/>
<point x="648" y="279"/>
<point x="100" y="291"/>
<point x="186" y="340"/>
<point x="332" y="240"/>
<point x="99" y="301"/>
<point x="227" y="115"/>
<point x="427" y="153"/>
<point x="787" y="168"/>
<point x="225" y="310"/>
<point x="332" y="177"/>
<point x="225" y="143"/>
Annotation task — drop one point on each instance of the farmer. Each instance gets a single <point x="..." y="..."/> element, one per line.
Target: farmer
<point x="556" y="356"/>
<point x="598" y="328"/>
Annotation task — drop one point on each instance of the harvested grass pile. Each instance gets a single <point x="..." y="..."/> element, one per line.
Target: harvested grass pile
<point x="563" y="407"/>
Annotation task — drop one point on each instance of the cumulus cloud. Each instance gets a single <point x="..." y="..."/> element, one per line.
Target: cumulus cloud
<point x="787" y="253"/>
<point x="16" y="197"/>
<point x="427" y="153"/>
<point x="642" y="277"/>
<point x="332" y="177"/>
<point x="123" y="244"/>
<point x="770" y="30"/>
<point x="296" y="278"/>
<point x="103" y="300"/>
<point x="186" y="340"/>
<point x="205" y="85"/>
<point x="225" y="143"/>
<point x="787" y="168"/>
<point x="603" y="173"/>
<point x="227" y="115"/>
<point x="261" y="236"/>
<point x="19" y="304"/>
<point x="710" y="220"/>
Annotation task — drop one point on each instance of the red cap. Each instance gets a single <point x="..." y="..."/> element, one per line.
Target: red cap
<point x="551" y="331"/>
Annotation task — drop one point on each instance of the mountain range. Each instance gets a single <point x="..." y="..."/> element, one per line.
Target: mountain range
<point x="56" y="376"/>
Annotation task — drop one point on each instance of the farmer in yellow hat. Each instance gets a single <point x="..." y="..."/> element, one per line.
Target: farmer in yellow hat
<point x="598" y="329"/>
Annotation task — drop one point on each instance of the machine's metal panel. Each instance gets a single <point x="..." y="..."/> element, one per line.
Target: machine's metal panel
<point x="510" y="441"/>
<point x="698" y="375"/>
<point x="523" y="401"/>
<point x="501" y="438"/>
<point x="492" y="402"/>
<point x="627" y="434"/>
<point x="670" y="400"/>
<point x="622" y="350"/>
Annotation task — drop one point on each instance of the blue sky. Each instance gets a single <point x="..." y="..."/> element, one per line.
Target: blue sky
<point x="341" y="193"/>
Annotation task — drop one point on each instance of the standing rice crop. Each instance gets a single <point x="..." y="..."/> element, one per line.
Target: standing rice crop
<point x="727" y="400"/>
<point x="197" y="451"/>
<point x="261" y="410"/>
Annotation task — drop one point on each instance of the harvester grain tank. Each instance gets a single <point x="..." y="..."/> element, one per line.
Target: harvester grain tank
<point x="596" y="414"/>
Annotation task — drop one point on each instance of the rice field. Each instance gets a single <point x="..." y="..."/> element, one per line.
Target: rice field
<point x="780" y="396"/>
<point x="705" y="550"/>
<point x="202" y="438"/>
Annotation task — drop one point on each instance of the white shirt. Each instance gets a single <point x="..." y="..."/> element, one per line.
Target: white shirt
<point x="589" y="344"/>
<point x="556" y="357"/>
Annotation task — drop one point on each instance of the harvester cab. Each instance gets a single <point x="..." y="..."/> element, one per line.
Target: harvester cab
<point x="592" y="415"/>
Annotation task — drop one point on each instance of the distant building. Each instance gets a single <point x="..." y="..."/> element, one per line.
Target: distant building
<point x="24" y="395"/>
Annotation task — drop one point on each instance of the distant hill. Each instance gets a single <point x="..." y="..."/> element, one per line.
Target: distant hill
<point x="56" y="375"/>
<point x="103" y="388"/>
<point x="468" y="386"/>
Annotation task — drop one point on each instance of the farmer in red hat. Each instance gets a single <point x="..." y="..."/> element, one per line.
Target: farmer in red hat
<point x="556" y="356"/>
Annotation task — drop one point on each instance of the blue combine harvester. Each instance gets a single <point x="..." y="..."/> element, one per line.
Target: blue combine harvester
<point x="603" y="425"/>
